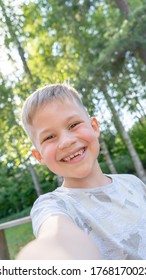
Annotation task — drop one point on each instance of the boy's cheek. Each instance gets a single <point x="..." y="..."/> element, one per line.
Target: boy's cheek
<point x="86" y="133"/>
<point x="90" y="136"/>
<point x="49" y="156"/>
<point x="46" y="149"/>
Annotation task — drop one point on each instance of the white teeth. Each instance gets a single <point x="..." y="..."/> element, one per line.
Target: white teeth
<point x="72" y="156"/>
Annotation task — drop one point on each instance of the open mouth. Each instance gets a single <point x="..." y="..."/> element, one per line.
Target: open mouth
<point x="75" y="155"/>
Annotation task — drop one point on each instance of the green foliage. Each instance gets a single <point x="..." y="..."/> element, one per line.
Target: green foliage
<point x="122" y="163"/>
<point x="47" y="179"/>
<point x="16" y="190"/>
<point x="14" y="216"/>
<point x="129" y="37"/>
<point x="138" y="136"/>
<point x="87" y="43"/>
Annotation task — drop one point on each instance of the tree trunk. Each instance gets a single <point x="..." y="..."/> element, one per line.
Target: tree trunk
<point x="123" y="6"/>
<point x="22" y="55"/>
<point x="134" y="156"/>
<point x="15" y="39"/>
<point x="4" y="252"/>
<point x="35" y="180"/>
<point x="142" y="53"/>
<point x="107" y="156"/>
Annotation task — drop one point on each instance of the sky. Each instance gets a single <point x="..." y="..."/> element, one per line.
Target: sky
<point x="8" y="67"/>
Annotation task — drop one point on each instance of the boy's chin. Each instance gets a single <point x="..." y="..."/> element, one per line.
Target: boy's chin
<point x="83" y="174"/>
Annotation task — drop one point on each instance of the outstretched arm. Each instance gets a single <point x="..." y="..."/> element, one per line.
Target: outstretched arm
<point x="60" y="239"/>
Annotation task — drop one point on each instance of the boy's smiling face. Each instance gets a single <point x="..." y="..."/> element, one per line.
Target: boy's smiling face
<point x="66" y="139"/>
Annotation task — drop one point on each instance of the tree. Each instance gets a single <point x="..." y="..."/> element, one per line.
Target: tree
<point x="107" y="156"/>
<point x="14" y="39"/>
<point x="125" y="10"/>
<point x="84" y="16"/>
<point x="135" y="158"/>
<point x="97" y="47"/>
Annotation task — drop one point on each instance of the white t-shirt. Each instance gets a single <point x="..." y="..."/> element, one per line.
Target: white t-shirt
<point x="113" y="215"/>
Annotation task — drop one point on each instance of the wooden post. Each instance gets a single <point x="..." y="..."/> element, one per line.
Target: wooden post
<point x="4" y="253"/>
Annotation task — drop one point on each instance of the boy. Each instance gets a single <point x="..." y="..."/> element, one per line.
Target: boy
<point x="92" y="215"/>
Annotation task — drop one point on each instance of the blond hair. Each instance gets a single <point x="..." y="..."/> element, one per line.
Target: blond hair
<point x="43" y="95"/>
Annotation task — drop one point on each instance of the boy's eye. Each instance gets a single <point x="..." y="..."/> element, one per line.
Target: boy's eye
<point x="50" y="137"/>
<point x="74" y="124"/>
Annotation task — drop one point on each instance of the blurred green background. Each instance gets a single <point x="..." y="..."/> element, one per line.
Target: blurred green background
<point x="99" y="47"/>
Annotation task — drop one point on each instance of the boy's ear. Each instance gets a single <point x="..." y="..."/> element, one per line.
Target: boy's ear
<point x="95" y="126"/>
<point x="37" y="155"/>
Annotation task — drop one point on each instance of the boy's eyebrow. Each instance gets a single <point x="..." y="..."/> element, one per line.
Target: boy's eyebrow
<point x="72" y="117"/>
<point x="45" y="131"/>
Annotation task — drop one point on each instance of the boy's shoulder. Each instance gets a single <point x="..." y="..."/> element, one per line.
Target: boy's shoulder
<point x="128" y="177"/>
<point x="128" y="180"/>
<point x="52" y="197"/>
<point x="125" y="177"/>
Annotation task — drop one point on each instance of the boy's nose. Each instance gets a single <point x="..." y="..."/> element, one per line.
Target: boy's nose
<point x="66" y="141"/>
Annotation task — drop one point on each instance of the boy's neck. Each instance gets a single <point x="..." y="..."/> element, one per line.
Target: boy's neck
<point x="96" y="179"/>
